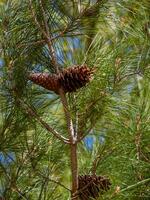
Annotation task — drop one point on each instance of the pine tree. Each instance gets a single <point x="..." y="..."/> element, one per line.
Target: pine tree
<point x="71" y="71"/>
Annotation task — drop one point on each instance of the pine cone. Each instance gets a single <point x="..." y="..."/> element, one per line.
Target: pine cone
<point x="69" y="79"/>
<point x="91" y="186"/>
<point x="45" y="80"/>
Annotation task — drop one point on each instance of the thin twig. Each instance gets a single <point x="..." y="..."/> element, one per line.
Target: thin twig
<point x="68" y="117"/>
<point x="45" y="33"/>
<point x="60" y="184"/>
<point x="118" y="191"/>
<point x="48" y="36"/>
<point x="31" y="112"/>
<point x="32" y="43"/>
<point x="82" y="136"/>
<point x="54" y="181"/>
<point x="99" y="159"/>
<point x="135" y="185"/>
<point x="84" y="12"/>
<point x="86" y="115"/>
<point x="35" y="19"/>
<point x="138" y="137"/>
<point x="128" y="75"/>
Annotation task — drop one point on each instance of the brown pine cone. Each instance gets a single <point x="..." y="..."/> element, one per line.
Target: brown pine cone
<point x="69" y="79"/>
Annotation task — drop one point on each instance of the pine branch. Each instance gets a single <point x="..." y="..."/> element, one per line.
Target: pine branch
<point x="96" y="161"/>
<point x="135" y="185"/>
<point x="55" y="181"/>
<point x="36" y="21"/>
<point x="83" y="13"/>
<point x="45" y="33"/>
<point x="62" y="94"/>
<point x="39" y="42"/>
<point x="100" y="158"/>
<point x="118" y="191"/>
<point x="49" y="38"/>
<point x="31" y="112"/>
<point x="81" y="135"/>
<point x="86" y="115"/>
<point x="68" y="117"/>
<point x="119" y="79"/>
<point x="73" y="146"/>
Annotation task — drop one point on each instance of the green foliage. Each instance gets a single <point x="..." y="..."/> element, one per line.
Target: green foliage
<point x="114" y="38"/>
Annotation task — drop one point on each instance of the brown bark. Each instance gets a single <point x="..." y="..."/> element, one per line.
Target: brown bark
<point x="73" y="146"/>
<point x="74" y="171"/>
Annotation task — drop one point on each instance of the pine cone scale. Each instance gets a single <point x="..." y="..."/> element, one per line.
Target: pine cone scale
<point x="92" y="186"/>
